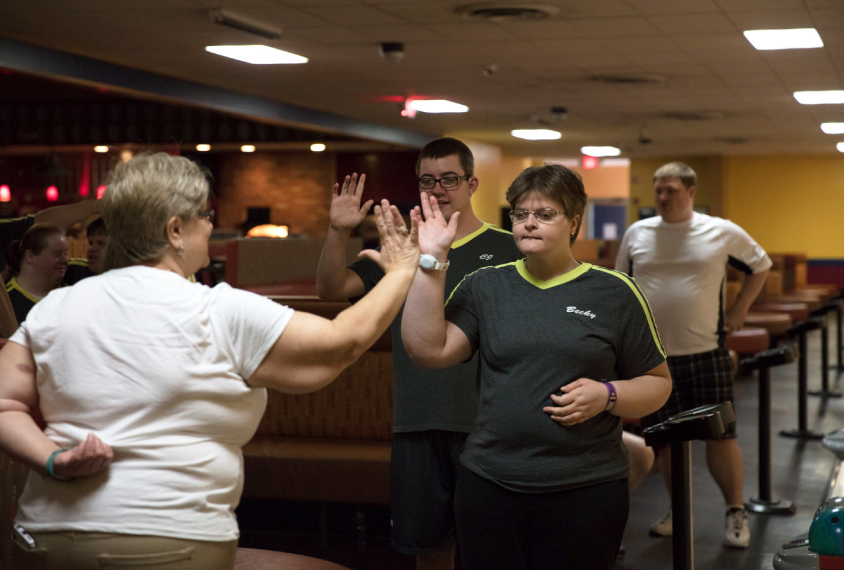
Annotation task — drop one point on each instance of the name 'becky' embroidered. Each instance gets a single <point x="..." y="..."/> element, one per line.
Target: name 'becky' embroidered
<point x="589" y="314"/>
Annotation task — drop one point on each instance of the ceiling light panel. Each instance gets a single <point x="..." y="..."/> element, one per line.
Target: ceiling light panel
<point x="833" y="128"/>
<point x="536" y="134"/>
<point x="436" y="106"/>
<point x="798" y="38"/>
<point x="257" y="54"/>
<point x="831" y="97"/>
<point x="600" y="151"/>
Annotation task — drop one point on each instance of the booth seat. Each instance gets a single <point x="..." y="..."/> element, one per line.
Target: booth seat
<point x="332" y="445"/>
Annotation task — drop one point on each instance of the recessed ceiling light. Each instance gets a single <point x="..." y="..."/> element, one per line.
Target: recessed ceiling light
<point x="536" y="134"/>
<point x="317" y="147"/>
<point x="436" y="106"/>
<point x="257" y="54"/>
<point x="247" y="148"/>
<point x="819" y="97"/>
<point x="100" y="148"/>
<point x="203" y="147"/>
<point x="599" y="151"/>
<point x="832" y="128"/>
<point x="798" y="38"/>
<point x="840" y="147"/>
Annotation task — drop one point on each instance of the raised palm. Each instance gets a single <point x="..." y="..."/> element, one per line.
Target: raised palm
<point x="435" y="234"/>
<point x="346" y="212"/>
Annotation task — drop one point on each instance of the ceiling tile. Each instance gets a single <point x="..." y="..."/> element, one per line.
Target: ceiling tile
<point x="771" y="19"/>
<point x="348" y="15"/>
<point x="740" y="5"/>
<point x="733" y="41"/>
<point x="657" y="7"/>
<point x="828" y="19"/>
<point x="616" y="27"/>
<point x="693" y="24"/>
<point x="426" y="13"/>
<point x="637" y="45"/>
<point x="549" y="29"/>
<point x="399" y="33"/>
<point x="473" y="32"/>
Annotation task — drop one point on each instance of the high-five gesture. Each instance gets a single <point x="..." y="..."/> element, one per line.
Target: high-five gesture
<point x="399" y="247"/>
<point x="346" y="212"/>
<point x="435" y="234"/>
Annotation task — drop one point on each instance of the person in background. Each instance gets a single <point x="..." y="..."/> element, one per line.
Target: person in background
<point x="78" y="269"/>
<point x="566" y="350"/>
<point x="433" y="411"/>
<point x="38" y="262"/>
<point x="680" y="259"/>
<point x="8" y="322"/>
<point x="150" y="385"/>
<point x="62" y="216"/>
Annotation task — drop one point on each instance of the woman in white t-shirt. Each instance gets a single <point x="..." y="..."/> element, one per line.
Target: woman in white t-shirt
<point x="150" y="384"/>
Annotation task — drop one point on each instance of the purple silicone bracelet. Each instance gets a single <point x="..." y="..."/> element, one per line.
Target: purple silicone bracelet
<point x="612" y="396"/>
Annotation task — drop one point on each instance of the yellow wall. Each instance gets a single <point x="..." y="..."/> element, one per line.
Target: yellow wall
<point x="788" y="203"/>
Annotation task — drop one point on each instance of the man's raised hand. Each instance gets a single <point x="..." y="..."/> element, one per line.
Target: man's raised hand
<point x="346" y="213"/>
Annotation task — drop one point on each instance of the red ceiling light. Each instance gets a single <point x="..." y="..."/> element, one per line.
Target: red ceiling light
<point x="5" y="193"/>
<point x="100" y="191"/>
<point x="590" y="163"/>
<point x="52" y="194"/>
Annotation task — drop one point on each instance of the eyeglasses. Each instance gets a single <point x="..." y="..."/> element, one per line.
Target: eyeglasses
<point x="446" y="182"/>
<point x="207" y="215"/>
<point x="544" y="215"/>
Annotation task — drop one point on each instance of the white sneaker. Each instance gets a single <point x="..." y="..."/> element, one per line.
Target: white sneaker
<point x="664" y="526"/>
<point x="738" y="532"/>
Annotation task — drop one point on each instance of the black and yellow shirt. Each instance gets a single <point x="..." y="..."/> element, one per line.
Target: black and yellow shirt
<point x="77" y="270"/>
<point x="534" y="337"/>
<point x="22" y="300"/>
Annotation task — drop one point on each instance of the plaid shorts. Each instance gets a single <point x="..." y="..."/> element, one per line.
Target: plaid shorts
<point x="699" y="379"/>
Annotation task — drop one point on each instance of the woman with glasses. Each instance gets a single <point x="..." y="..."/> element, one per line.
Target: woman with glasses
<point x="150" y="385"/>
<point x="566" y="348"/>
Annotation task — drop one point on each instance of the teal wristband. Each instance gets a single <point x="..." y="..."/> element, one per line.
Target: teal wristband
<point x="49" y="467"/>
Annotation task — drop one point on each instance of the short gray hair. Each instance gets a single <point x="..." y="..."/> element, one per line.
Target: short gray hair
<point x="683" y="171"/>
<point x="141" y="196"/>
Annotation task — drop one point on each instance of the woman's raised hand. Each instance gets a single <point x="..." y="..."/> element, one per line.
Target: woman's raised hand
<point x="346" y="212"/>
<point x="435" y="234"/>
<point x="399" y="247"/>
<point x="89" y="457"/>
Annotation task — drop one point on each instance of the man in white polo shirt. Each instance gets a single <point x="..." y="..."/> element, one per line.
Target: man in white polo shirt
<point x="679" y="260"/>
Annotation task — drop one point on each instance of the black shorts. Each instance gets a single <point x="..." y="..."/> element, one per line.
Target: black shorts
<point x="423" y="479"/>
<point x="699" y="379"/>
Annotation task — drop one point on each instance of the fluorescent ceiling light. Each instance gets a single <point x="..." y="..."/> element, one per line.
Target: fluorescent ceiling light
<point x="247" y="148"/>
<point x="317" y="147"/>
<point x="536" y="134"/>
<point x="436" y="106"/>
<point x="833" y="128"/>
<point x="203" y="147"/>
<point x="840" y="147"/>
<point x="797" y="38"/>
<point x="599" y="151"/>
<point x="257" y="54"/>
<point x="819" y="97"/>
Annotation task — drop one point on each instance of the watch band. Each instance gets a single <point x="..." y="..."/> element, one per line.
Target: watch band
<point x="612" y="396"/>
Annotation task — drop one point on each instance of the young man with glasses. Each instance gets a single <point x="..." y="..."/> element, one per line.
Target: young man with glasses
<point x="433" y="410"/>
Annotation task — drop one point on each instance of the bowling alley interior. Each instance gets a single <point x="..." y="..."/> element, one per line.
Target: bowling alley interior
<point x="278" y="101"/>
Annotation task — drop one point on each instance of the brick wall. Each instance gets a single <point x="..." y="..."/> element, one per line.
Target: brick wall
<point x="294" y="185"/>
